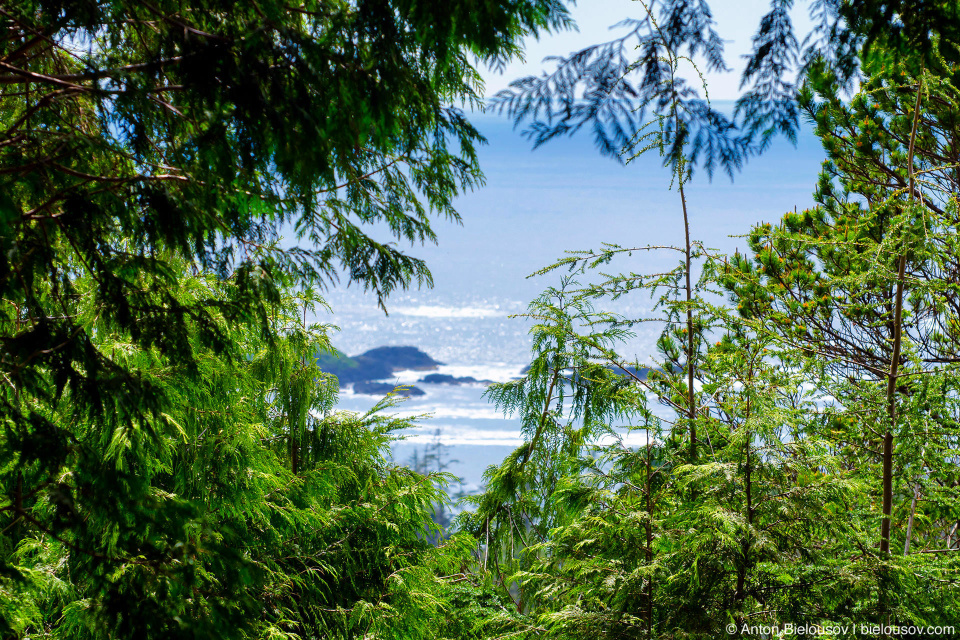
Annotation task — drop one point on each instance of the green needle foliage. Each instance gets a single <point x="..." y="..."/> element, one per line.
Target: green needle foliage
<point x="246" y="508"/>
<point x="801" y="445"/>
<point x="639" y="541"/>
<point x="170" y="461"/>
<point x="825" y="281"/>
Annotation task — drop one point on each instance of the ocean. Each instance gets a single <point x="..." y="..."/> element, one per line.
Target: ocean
<point x="536" y="205"/>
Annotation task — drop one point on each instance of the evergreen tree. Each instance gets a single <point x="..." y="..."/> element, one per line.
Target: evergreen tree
<point x="171" y="465"/>
<point x="865" y="283"/>
<point x="800" y="432"/>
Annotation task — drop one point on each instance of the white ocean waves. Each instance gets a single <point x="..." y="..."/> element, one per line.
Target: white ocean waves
<point x="431" y="311"/>
<point x="482" y="372"/>
<point x="494" y="371"/>
<point x="454" y="435"/>
<point x="450" y="412"/>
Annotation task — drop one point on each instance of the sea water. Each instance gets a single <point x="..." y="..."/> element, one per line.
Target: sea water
<point x="535" y="206"/>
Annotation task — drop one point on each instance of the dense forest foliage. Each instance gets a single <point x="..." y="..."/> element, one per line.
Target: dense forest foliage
<point x="173" y="461"/>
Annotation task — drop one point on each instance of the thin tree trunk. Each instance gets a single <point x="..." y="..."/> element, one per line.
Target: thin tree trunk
<point x="543" y="419"/>
<point x="486" y="549"/>
<point x="649" y="612"/>
<point x="691" y="407"/>
<point x="913" y="511"/>
<point x="891" y="412"/>
<point x="748" y="488"/>
<point x="888" y="443"/>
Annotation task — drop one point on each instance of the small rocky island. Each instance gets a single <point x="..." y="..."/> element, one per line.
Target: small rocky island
<point x="443" y="378"/>
<point x="362" y="371"/>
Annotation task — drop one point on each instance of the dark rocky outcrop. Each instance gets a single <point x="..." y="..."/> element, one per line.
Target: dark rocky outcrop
<point x="442" y="378"/>
<point x="383" y="388"/>
<point x="402" y="358"/>
<point x="375" y="364"/>
<point x="350" y="370"/>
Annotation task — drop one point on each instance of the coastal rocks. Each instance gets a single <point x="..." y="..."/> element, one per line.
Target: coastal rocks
<point x="373" y="372"/>
<point x="383" y="388"/>
<point x="442" y="378"/>
<point x="376" y="364"/>
<point x="401" y="358"/>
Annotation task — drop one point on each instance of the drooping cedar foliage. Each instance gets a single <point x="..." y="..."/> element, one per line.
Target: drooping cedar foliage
<point x="171" y="465"/>
<point x="801" y="440"/>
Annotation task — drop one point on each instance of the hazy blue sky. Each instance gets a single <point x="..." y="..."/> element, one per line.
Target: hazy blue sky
<point x="737" y="22"/>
